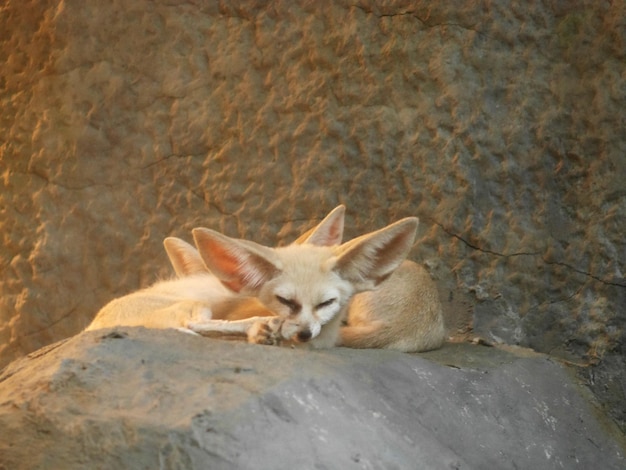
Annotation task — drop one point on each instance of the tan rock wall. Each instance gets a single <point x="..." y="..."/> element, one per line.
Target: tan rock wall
<point x="500" y="125"/>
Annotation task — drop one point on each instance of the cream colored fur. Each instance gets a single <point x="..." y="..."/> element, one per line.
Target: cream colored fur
<point x="402" y="313"/>
<point x="166" y="304"/>
<point x="308" y="283"/>
<point x="199" y="296"/>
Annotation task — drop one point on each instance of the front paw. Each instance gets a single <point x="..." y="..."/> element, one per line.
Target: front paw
<point x="266" y="332"/>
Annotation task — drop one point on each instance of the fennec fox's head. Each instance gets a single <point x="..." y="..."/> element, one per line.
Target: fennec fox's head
<point x="312" y="281"/>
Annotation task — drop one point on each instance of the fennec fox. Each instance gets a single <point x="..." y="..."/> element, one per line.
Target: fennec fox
<point x="199" y="296"/>
<point x="402" y="313"/>
<point x="309" y="284"/>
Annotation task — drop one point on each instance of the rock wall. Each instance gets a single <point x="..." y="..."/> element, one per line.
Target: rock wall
<point x="499" y="124"/>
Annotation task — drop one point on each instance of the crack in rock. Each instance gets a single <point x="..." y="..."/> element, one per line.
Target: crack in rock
<point x="537" y="254"/>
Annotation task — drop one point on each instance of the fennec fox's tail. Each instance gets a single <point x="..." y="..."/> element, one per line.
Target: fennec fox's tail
<point x="404" y="314"/>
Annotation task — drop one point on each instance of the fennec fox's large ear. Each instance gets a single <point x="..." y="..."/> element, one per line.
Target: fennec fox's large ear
<point x="184" y="257"/>
<point x="242" y="266"/>
<point x="368" y="260"/>
<point x="328" y="232"/>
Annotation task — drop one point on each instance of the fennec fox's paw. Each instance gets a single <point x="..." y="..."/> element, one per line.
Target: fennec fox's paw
<point x="273" y="331"/>
<point x="265" y="333"/>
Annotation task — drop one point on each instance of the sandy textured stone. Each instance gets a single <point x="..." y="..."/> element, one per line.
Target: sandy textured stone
<point x="136" y="398"/>
<point x="499" y="124"/>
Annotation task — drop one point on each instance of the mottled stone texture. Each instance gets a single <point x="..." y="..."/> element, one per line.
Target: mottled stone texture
<point x="499" y="124"/>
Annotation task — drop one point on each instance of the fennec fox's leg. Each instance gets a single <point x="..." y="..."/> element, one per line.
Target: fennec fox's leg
<point x="404" y="314"/>
<point x="259" y="330"/>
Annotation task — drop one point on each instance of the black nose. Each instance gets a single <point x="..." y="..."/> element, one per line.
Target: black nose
<point x="304" y="335"/>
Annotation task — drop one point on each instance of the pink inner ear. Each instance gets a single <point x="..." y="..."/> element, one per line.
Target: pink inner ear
<point x="191" y="263"/>
<point x="335" y="235"/>
<point x="232" y="285"/>
<point x="240" y="266"/>
<point x="241" y="270"/>
<point x="331" y="236"/>
<point x="373" y="257"/>
<point x="223" y="261"/>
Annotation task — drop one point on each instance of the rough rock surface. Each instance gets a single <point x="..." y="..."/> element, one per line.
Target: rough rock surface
<point x="499" y="124"/>
<point x="137" y="398"/>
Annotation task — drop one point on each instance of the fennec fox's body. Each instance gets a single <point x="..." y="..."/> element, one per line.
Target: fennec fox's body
<point x="307" y="285"/>
<point x="166" y="304"/>
<point x="402" y="313"/>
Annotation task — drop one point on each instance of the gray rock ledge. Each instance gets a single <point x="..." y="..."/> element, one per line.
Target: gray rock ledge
<point x="134" y="398"/>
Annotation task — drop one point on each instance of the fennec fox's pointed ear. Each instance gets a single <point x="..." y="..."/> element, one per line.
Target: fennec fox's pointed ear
<point x="184" y="257"/>
<point x="328" y="232"/>
<point x="242" y="266"/>
<point x="368" y="260"/>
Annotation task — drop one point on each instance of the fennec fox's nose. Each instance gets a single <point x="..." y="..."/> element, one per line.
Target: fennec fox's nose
<point x="304" y="335"/>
